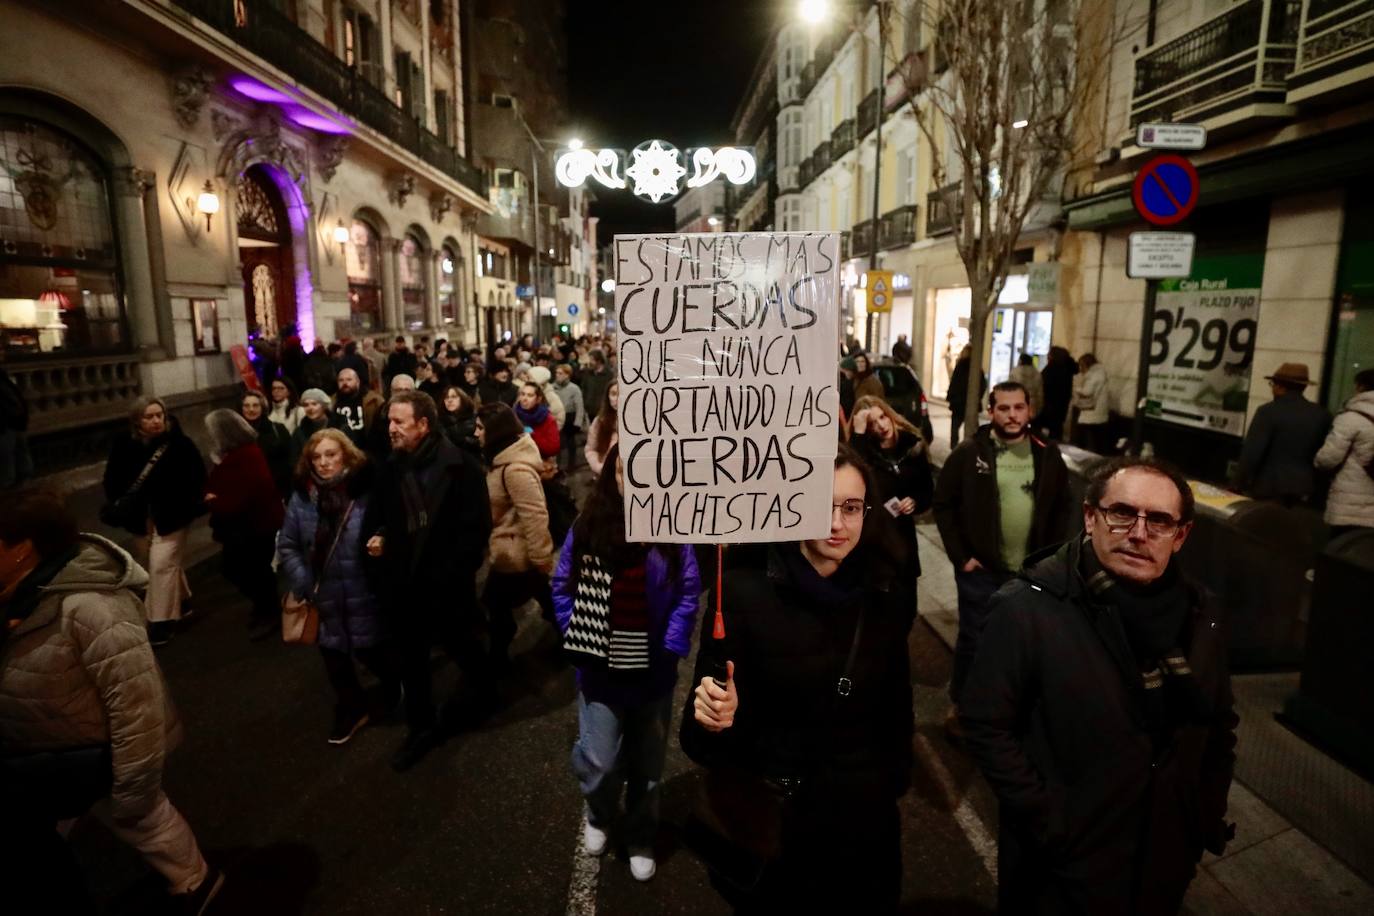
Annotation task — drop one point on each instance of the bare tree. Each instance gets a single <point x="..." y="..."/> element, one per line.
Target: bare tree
<point x="1001" y="95"/>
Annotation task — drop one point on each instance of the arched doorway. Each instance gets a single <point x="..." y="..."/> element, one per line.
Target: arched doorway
<point x="265" y="253"/>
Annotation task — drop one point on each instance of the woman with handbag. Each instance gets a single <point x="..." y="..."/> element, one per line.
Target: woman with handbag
<point x="321" y="556"/>
<point x="245" y="513"/>
<point x="645" y="597"/>
<point x="521" y="547"/>
<point x="154" y="488"/>
<point x="808" y="743"/>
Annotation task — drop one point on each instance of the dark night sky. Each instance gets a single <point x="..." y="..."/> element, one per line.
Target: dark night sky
<point x="656" y="70"/>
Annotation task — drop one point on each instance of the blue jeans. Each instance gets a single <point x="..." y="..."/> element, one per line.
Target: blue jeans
<point x="622" y="746"/>
<point x="975" y="591"/>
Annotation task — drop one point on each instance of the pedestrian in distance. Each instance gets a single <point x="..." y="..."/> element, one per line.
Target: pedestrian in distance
<point x="627" y="613"/>
<point x="372" y="350"/>
<point x="1349" y="453"/>
<point x="273" y="439"/>
<point x="575" y="420"/>
<point x="355" y="409"/>
<point x="899" y="461"/>
<point x="522" y="549"/>
<point x="350" y="358"/>
<point x="428" y="381"/>
<point x="1002" y="495"/>
<point x="1276" y="458"/>
<point x="286" y="410"/>
<point x="1057" y="384"/>
<point x="605" y="431"/>
<point x="1092" y="399"/>
<point x="155" y="488"/>
<point x="470" y="380"/>
<point x="1025" y="374"/>
<point x="85" y="716"/>
<point x="866" y="381"/>
<point x="543" y="377"/>
<point x="16" y="463"/>
<point x="379" y="431"/>
<point x="319" y="371"/>
<point x="317" y="413"/>
<point x="595" y="380"/>
<point x="533" y="411"/>
<point x="957" y="393"/>
<point x="808" y="745"/>
<point x="400" y="361"/>
<point x="497" y="387"/>
<point x="245" y="515"/>
<point x="1099" y="709"/>
<point x="321" y="557"/>
<point x="426" y="528"/>
<point x="458" y="418"/>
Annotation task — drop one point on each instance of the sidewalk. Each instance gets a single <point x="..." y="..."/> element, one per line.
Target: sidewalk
<point x="1308" y="859"/>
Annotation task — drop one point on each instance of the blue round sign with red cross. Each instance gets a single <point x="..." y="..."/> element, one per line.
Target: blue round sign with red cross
<point x="1165" y="190"/>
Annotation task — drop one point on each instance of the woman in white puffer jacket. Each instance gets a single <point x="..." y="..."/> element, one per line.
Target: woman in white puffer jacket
<point x="1348" y="450"/>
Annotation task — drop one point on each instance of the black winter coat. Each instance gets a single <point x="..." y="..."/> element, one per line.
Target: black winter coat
<point x="789" y="646"/>
<point x="967" y="506"/>
<point x="1093" y="818"/>
<point x="903" y="472"/>
<point x="459" y="527"/>
<point x="490" y="391"/>
<point x="275" y="443"/>
<point x="174" y="492"/>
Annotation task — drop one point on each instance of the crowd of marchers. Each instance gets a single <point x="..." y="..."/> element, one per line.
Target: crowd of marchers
<point x="1090" y="683"/>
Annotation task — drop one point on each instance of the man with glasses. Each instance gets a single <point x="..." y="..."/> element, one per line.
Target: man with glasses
<point x="1099" y="708"/>
<point x="1002" y="494"/>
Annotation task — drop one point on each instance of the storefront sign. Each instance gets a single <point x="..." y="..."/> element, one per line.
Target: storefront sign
<point x="1042" y="283"/>
<point x="728" y="401"/>
<point x="1203" y="344"/>
<point x="1160" y="255"/>
<point x="1171" y="136"/>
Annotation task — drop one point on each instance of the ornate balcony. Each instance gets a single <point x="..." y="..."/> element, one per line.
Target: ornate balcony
<point x="865" y="234"/>
<point x="842" y="139"/>
<point x="272" y="36"/>
<point x="941" y="207"/>
<point x="807" y="173"/>
<point x="1240" y="57"/>
<point x="1335" y="49"/>
<point x="868" y="114"/>
<point x="846" y="246"/>
<point x="898" y="228"/>
<point x="808" y="78"/>
<point x="820" y="158"/>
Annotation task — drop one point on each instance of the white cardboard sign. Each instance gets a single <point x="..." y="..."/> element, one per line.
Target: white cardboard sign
<point x="728" y="346"/>
<point x="1160" y="255"/>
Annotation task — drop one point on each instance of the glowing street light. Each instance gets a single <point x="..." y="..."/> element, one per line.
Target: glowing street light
<point x="813" y="11"/>
<point x="607" y="286"/>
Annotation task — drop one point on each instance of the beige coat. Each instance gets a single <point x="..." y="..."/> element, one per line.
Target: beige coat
<point x="79" y="671"/>
<point x="520" y="537"/>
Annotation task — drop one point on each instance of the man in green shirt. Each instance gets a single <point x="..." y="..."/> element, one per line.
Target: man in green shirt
<point x="1001" y="496"/>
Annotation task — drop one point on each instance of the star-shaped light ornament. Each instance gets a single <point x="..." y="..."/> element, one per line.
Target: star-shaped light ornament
<point x="656" y="170"/>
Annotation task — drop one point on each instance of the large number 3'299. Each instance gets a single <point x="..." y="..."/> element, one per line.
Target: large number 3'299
<point x="1203" y="346"/>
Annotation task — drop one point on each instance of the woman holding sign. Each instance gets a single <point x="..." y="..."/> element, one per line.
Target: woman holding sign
<point x="897" y="454"/>
<point x="626" y="612"/>
<point x="808" y="742"/>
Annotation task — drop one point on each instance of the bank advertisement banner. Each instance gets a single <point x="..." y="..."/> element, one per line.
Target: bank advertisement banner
<point x="1203" y="344"/>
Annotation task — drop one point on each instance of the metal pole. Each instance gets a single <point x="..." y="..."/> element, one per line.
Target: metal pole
<point x="534" y="158"/>
<point x="877" y="160"/>
<point x="1142" y="372"/>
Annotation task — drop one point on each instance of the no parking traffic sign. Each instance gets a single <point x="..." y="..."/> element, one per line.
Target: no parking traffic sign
<point x="1165" y="190"/>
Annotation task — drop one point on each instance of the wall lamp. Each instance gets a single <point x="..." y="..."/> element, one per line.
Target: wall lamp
<point x="208" y="203"/>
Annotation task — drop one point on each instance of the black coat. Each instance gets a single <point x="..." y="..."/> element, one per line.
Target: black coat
<point x="459" y="526"/>
<point x="304" y="430"/>
<point x="1057" y="380"/>
<point x="1094" y="818"/>
<point x="174" y="492"/>
<point x="789" y="645"/>
<point x="957" y="392"/>
<point x="491" y="391"/>
<point x="904" y="472"/>
<point x="275" y="443"/>
<point x="967" y="504"/>
<point x="1283" y="438"/>
<point x="398" y="362"/>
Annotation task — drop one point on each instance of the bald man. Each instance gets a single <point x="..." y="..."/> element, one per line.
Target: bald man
<point x="354" y="409"/>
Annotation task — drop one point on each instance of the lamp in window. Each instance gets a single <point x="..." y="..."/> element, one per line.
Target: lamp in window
<point x="208" y="203"/>
<point x="341" y="235"/>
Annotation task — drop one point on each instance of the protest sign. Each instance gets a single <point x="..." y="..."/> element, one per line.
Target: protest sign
<point x="728" y="349"/>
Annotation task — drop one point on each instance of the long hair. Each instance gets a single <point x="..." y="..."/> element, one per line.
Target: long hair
<point x="228" y="430"/>
<point x="263" y="400"/>
<point x="354" y="457"/>
<point x="878" y="546"/>
<point x="899" y="422"/>
<point x="600" y="527"/>
<point x="467" y="407"/>
<point x="608" y="418"/>
<point x="500" y="429"/>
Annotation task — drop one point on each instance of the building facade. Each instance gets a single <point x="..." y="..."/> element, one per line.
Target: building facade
<point x="189" y="176"/>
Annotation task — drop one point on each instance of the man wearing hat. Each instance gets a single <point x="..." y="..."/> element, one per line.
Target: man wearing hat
<point x="1283" y="438"/>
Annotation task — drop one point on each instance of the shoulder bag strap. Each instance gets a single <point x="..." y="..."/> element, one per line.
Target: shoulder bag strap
<point x="1367" y="416"/>
<point x="845" y="684"/>
<point x="338" y="533"/>
<point x="147" y="469"/>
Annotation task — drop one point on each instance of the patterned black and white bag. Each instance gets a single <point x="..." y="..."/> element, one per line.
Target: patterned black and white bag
<point x="588" y="639"/>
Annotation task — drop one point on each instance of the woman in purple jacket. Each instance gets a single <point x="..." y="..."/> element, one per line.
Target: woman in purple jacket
<point x="626" y="612"/>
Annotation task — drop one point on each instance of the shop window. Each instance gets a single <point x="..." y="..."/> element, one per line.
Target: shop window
<point x="59" y="267"/>
<point x="363" y="259"/>
<point x="413" y="285"/>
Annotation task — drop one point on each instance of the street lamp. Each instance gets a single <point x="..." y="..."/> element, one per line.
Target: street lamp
<point x="607" y="286"/>
<point x="813" y="11"/>
<point x="208" y="203"/>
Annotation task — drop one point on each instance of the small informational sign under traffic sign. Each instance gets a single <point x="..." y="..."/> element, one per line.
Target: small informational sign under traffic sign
<point x="1160" y="255"/>
<point x="1170" y="136"/>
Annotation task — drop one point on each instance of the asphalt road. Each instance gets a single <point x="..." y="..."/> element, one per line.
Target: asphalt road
<point x="488" y="823"/>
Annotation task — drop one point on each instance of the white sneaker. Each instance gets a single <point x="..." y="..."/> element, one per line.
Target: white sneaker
<point x="593" y="839"/>
<point x="642" y="867"/>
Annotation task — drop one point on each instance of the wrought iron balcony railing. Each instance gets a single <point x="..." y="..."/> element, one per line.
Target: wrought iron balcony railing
<point x="842" y="138"/>
<point x="898" y="228"/>
<point x="272" y="36"/>
<point x="941" y="207"/>
<point x="865" y="234"/>
<point x="1239" y="57"/>
<point x="868" y="114"/>
<point x="807" y="172"/>
<point x="846" y="246"/>
<point x="808" y="78"/>
<point x="1332" y="33"/>
<point x="820" y="157"/>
